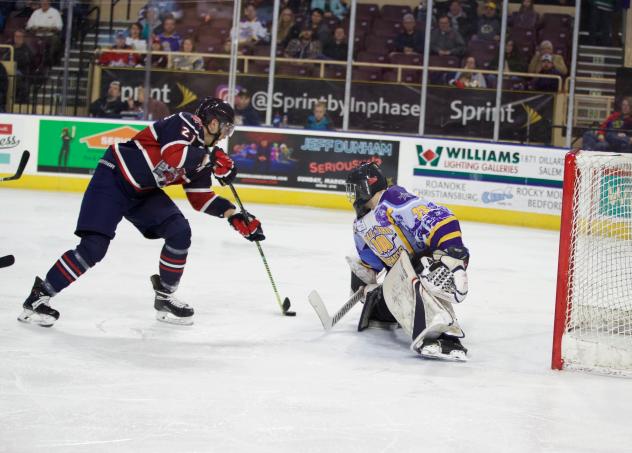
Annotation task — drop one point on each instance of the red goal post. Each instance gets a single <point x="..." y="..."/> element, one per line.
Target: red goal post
<point x="593" y="313"/>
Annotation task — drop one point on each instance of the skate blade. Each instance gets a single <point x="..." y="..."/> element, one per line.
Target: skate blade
<point x="433" y="352"/>
<point x="31" y="317"/>
<point x="170" y="318"/>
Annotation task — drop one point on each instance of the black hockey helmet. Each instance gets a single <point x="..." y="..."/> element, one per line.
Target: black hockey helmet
<point x="363" y="182"/>
<point x="214" y="108"/>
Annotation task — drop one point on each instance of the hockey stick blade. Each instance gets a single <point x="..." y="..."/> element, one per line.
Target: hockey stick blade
<point x="6" y="261"/>
<point x="21" y="166"/>
<point x="329" y="321"/>
<point x="286" y="307"/>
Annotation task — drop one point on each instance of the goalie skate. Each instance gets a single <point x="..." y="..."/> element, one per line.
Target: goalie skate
<point x="168" y="308"/>
<point x="443" y="348"/>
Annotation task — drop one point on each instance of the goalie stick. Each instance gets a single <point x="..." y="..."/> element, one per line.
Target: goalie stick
<point x="21" y="166"/>
<point x="329" y="321"/>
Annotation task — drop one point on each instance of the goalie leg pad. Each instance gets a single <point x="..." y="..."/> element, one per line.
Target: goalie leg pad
<point x="375" y="313"/>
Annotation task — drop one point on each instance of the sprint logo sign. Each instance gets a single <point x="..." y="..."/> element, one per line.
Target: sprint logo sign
<point x="429" y="157"/>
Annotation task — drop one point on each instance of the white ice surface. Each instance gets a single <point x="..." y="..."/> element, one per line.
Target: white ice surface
<point x="108" y="377"/>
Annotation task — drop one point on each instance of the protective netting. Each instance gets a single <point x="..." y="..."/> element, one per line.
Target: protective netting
<point x="598" y="332"/>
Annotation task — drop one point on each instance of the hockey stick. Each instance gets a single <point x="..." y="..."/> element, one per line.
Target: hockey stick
<point x="329" y="321"/>
<point x="21" y="166"/>
<point x="6" y="261"/>
<point x="285" y="305"/>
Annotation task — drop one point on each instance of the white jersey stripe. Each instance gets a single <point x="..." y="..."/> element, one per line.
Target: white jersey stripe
<point x="125" y="169"/>
<point x="148" y="160"/>
<point x="208" y="203"/>
<point x="175" y="266"/>
<point x="70" y="271"/>
<point x="199" y="190"/>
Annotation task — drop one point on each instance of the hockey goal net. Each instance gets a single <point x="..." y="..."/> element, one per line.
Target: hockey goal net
<point x="593" y="315"/>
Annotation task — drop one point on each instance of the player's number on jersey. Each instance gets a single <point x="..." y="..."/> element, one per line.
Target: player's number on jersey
<point x="186" y="132"/>
<point x="382" y="244"/>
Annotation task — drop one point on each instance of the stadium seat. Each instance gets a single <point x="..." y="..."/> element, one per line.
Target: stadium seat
<point x="395" y="12"/>
<point x="294" y="69"/>
<point x="371" y="57"/>
<point x="555" y="21"/>
<point x="367" y="11"/>
<point x="365" y="74"/>
<point x="407" y="58"/>
<point x="335" y="72"/>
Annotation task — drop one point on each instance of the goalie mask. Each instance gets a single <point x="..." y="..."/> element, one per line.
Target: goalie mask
<point x="363" y="183"/>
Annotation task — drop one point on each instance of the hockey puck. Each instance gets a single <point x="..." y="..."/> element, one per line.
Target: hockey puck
<point x="289" y="313"/>
<point x="7" y="261"/>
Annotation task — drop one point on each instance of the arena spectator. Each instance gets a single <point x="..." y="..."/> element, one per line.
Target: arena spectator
<point x="336" y="8"/>
<point x="24" y="66"/>
<point x="526" y="17"/>
<point x="304" y="46"/>
<point x="445" y="41"/>
<point x="546" y="67"/>
<point x="488" y="27"/>
<point x="601" y="17"/>
<point x="4" y="87"/>
<point x="546" y="48"/>
<point x="165" y="8"/>
<point x="169" y="38"/>
<point x="110" y="105"/>
<point x="156" y="109"/>
<point x="420" y="13"/>
<point x="469" y="79"/>
<point x="245" y="113"/>
<point x="287" y="29"/>
<point x="158" y="61"/>
<point x="609" y="139"/>
<point x="251" y="30"/>
<point x="319" y="120"/>
<point x="337" y="48"/>
<point x="134" y="37"/>
<point x="187" y="62"/>
<point x="295" y="5"/>
<point x="46" y="23"/>
<point x="409" y="40"/>
<point x="150" y="22"/>
<point x="319" y="28"/>
<point x="513" y="63"/>
<point x="119" y="58"/>
<point x="460" y="21"/>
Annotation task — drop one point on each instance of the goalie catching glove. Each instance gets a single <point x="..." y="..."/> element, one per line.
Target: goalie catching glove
<point x="444" y="274"/>
<point x="223" y="166"/>
<point x="247" y="225"/>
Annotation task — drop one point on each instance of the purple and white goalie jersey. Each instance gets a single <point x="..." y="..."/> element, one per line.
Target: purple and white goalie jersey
<point x="401" y="221"/>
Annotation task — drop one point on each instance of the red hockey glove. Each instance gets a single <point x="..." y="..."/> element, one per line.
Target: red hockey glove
<point x="223" y="166"/>
<point x="247" y="225"/>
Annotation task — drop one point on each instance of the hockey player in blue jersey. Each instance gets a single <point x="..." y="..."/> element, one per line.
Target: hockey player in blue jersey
<point x="128" y="182"/>
<point x="411" y="261"/>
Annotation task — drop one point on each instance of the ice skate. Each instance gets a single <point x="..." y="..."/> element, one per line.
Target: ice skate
<point x="444" y="348"/>
<point x="37" y="309"/>
<point x="168" y="308"/>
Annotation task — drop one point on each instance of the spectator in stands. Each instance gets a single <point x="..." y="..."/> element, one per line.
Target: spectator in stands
<point x="295" y="5"/>
<point x="24" y="66"/>
<point x="251" y="30"/>
<point x="546" y="48"/>
<point x="150" y="22"/>
<point x="46" y="23"/>
<point x="110" y="105"/>
<point x="169" y="38"/>
<point x="245" y="113"/>
<point x="420" y="13"/>
<point x="526" y="17"/>
<point x="287" y="29"/>
<point x="187" y="62"/>
<point x="320" y="30"/>
<point x="165" y="8"/>
<point x="615" y="133"/>
<point x="134" y="37"/>
<point x="601" y="16"/>
<point x="319" y="120"/>
<point x="4" y="87"/>
<point x="469" y="79"/>
<point x="445" y="41"/>
<point x="488" y="27"/>
<point x="546" y="83"/>
<point x="460" y="21"/>
<point x="158" y="61"/>
<point x="337" y="8"/>
<point x="119" y="58"/>
<point x="304" y="46"/>
<point x="156" y="109"/>
<point x="513" y="63"/>
<point x="410" y="40"/>
<point x="337" y="48"/>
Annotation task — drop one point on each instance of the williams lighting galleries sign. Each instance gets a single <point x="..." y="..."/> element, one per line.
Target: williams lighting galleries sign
<point x="509" y="177"/>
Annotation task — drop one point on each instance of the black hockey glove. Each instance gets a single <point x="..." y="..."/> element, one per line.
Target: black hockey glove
<point x="223" y="166"/>
<point x="247" y="225"/>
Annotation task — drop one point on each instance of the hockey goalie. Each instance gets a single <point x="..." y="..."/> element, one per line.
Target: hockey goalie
<point x="411" y="262"/>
